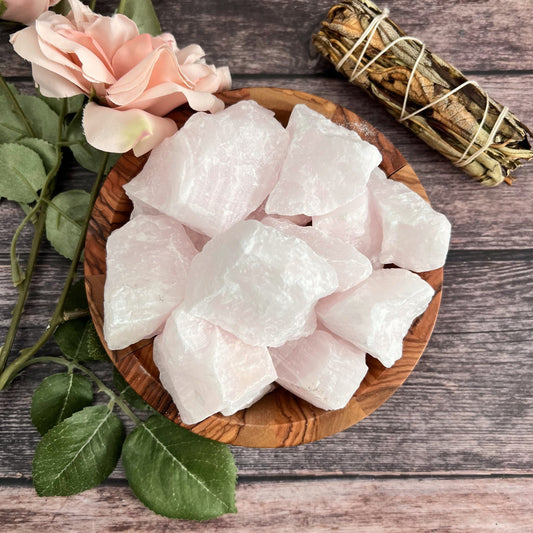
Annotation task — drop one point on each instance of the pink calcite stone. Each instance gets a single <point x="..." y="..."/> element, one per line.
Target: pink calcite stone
<point x="206" y="369"/>
<point x="376" y="315"/>
<point x="216" y="169"/>
<point x="322" y="369"/>
<point x="258" y="284"/>
<point x="415" y="236"/>
<point x="147" y="264"/>
<point x="326" y="166"/>
<point x="351" y="266"/>
<point x="357" y="222"/>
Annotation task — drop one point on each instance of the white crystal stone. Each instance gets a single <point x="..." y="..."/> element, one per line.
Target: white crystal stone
<point x="357" y="222"/>
<point x="376" y="315"/>
<point x="216" y="169"/>
<point x="326" y="166"/>
<point x="147" y="264"/>
<point x="259" y="284"/>
<point x="206" y="369"/>
<point x="415" y="236"/>
<point x="351" y="266"/>
<point x="322" y="369"/>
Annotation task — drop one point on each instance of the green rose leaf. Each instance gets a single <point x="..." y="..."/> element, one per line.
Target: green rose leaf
<point x="64" y="219"/>
<point x="57" y="398"/>
<point x="3" y="7"/>
<point x="79" y="453"/>
<point x="179" y="474"/>
<point x="76" y="299"/>
<point x="12" y="126"/>
<point x="142" y="12"/>
<point x="74" y="103"/>
<point x="78" y="340"/>
<point x="22" y="175"/>
<point x="125" y="390"/>
<point x="46" y="151"/>
<point x="62" y="8"/>
<point x="87" y="156"/>
<point x="43" y="120"/>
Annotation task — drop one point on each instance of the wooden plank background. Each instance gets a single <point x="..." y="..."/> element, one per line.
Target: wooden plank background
<point x="452" y="450"/>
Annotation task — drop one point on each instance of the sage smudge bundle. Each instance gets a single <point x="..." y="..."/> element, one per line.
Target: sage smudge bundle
<point x="452" y="114"/>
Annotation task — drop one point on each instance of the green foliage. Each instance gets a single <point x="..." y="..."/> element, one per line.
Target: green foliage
<point x="125" y="390"/>
<point x="76" y="299"/>
<point x="64" y="219"/>
<point x="142" y="12"/>
<point x="3" y="7"/>
<point x="57" y="398"/>
<point x="73" y="103"/>
<point x="23" y="173"/>
<point x="43" y="120"/>
<point x="177" y="473"/>
<point x="79" y="453"/>
<point x="78" y="340"/>
<point x="45" y="150"/>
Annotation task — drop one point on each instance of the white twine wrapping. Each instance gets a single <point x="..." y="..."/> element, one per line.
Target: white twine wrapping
<point x="369" y="33"/>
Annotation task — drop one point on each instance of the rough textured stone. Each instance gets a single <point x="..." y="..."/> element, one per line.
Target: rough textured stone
<point x="351" y="266"/>
<point x="376" y="315"/>
<point x="415" y="236"/>
<point x="206" y="369"/>
<point x="326" y="166"/>
<point x="357" y="222"/>
<point x="216" y="169"/>
<point x="258" y="283"/>
<point x="322" y="369"/>
<point x="147" y="264"/>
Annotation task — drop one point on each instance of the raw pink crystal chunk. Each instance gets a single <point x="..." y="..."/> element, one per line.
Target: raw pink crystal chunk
<point x="415" y="236"/>
<point x="357" y="222"/>
<point x="215" y="170"/>
<point x="376" y="315"/>
<point x="326" y="166"/>
<point x="206" y="369"/>
<point x="147" y="264"/>
<point x="258" y="284"/>
<point x="351" y="266"/>
<point x="322" y="369"/>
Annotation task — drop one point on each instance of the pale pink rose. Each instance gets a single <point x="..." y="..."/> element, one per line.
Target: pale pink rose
<point x="26" y="11"/>
<point x="135" y="79"/>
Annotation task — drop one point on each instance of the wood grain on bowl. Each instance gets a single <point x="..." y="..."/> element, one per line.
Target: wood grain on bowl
<point x="279" y="419"/>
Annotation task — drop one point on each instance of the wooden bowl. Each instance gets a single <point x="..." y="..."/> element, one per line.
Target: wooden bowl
<point x="279" y="419"/>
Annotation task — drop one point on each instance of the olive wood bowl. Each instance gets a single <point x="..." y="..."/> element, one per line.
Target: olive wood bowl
<point x="280" y="418"/>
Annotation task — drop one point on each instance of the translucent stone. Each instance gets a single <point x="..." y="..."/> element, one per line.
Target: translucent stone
<point x="216" y="169"/>
<point x="415" y="236"/>
<point x="147" y="265"/>
<point x="322" y="369"/>
<point x="326" y="167"/>
<point x="351" y="266"/>
<point x="259" y="284"/>
<point x="206" y="369"/>
<point x="376" y="315"/>
<point x="357" y="222"/>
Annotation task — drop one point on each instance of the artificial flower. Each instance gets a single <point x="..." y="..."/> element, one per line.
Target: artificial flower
<point x="24" y="11"/>
<point x="123" y="71"/>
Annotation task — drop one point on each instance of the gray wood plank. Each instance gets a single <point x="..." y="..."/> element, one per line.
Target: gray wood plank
<point x="466" y="407"/>
<point x="465" y="36"/>
<point x="362" y="505"/>
<point x="482" y="218"/>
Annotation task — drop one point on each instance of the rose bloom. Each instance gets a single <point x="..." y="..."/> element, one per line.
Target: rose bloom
<point x="25" y="11"/>
<point x="134" y="79"/>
